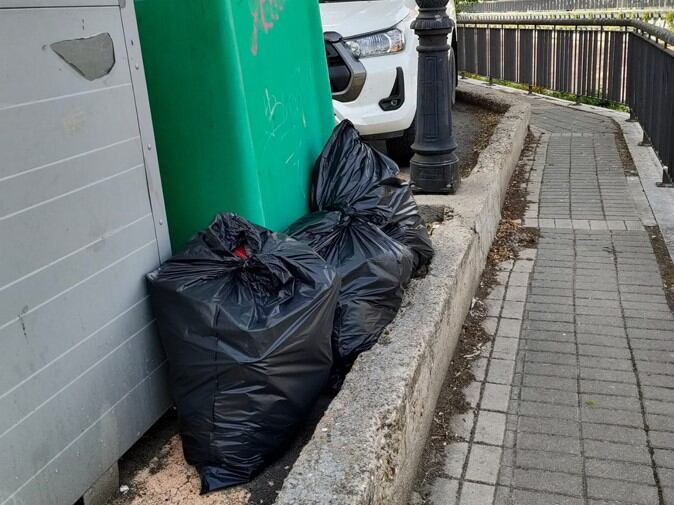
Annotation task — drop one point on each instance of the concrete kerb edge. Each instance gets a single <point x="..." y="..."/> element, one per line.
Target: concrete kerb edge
<point x="367" y="446"/>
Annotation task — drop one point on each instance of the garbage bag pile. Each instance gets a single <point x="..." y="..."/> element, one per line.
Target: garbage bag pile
<point x="245" y="316"/>
<point x="366" y="223"/>
<point x="255" y="323"/>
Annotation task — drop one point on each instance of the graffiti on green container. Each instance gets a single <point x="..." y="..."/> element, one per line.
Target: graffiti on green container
<point x="264" y="13"/>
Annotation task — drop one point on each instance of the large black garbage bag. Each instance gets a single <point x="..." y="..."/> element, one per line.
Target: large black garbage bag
<point x="356" y="197"/>
<point x="374" y="269"/>
<point x="245" y="316"/>
<point x="351" y="174"/>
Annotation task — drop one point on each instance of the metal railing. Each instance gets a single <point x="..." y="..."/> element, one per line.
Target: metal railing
<point x="623" y="61"/>
<point x="563" y="5"/>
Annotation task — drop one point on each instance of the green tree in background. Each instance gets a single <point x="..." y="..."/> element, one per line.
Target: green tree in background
<point x="461" y="3"/>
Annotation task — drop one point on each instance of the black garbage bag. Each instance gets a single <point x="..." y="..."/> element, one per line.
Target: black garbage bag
<point x="407" y="227"/>
<point x="245" y="316"/>
<point x="351" y="174"/>
<point x="374" y="269"/>
<point x="356" y="196"/>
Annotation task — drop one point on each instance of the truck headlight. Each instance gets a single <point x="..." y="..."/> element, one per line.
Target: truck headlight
<point x="377" y="44"/>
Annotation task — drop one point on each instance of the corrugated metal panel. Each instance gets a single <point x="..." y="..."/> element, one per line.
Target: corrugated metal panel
<point x="82" y="374"/>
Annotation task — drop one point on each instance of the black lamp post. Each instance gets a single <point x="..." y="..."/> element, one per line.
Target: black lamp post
<point x="434" y="167"/>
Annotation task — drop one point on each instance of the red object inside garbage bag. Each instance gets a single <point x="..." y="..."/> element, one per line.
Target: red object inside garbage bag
<point x="240" y="251"/>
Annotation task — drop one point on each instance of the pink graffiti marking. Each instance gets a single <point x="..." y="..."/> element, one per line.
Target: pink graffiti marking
<point x="265" y="13"/>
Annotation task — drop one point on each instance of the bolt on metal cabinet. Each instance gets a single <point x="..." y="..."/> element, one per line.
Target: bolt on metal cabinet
<point x="241" y="105"/>
<point x="82" y="374"/>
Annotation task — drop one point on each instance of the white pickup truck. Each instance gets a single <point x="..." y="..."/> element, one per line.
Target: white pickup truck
<point x="372" y="58"/>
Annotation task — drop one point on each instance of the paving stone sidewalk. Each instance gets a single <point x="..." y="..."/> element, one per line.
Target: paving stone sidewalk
<point x="574" y="402"/>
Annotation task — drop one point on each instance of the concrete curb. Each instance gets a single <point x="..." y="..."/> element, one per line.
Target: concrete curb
<point x="367" y="447"/>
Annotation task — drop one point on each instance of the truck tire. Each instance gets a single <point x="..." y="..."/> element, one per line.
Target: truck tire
<point x="400" y="148"/>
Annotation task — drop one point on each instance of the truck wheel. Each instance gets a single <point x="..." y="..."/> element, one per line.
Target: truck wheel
<point x="400" y="148"/>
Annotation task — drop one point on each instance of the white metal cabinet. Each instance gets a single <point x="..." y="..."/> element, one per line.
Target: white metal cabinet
<point x="82" y="373"/>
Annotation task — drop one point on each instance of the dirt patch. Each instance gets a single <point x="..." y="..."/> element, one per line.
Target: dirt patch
<point x="149" y="453"/>
<point x="488" y="120"/>
<point x="168" y="479"/>
<point x="472" y="127"/>
<point x="664" y="262"/>
<point x="155" y="471"/>
<point x="511" y="237"/>
<point x="624" y="152"/>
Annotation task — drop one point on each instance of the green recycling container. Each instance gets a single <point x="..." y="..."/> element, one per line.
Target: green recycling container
<point x="241" y="107"/>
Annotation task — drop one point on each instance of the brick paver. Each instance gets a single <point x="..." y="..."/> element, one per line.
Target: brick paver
<point x="574" y="401"/>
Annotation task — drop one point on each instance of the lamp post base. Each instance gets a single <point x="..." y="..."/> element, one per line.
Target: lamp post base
<point x="436" y="174"/>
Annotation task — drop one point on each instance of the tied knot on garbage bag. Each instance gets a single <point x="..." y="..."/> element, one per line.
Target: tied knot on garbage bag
<point x="351" y="177"/>
<point x="346" y="216"/>
<point x="231" y="246"/>
<point x="365" y="222"/>
<point x="245" y="317"/>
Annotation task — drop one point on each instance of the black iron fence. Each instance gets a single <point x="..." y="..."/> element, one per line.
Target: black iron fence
<point x="563" y="5"/>
<point x="622" y="61"/>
